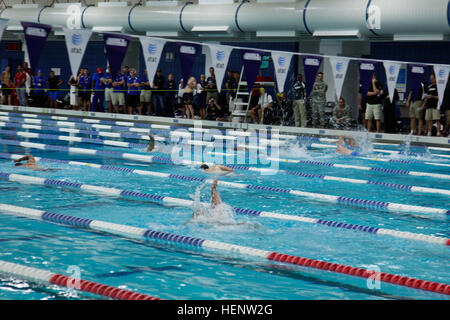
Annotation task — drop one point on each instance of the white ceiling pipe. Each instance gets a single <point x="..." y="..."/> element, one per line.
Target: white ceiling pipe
<point x="335" y="17"/>
<point x="407" y="17"/>
<point x="319" y="17"/>
<point x="280" y="16"/>
<point x="15" y="15"/>
<point x="210" y="16"/>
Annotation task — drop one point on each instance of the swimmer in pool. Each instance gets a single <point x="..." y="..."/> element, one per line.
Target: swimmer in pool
<point x="151" y="145"/>
<point x="215" y="202"/>
<point x="351" y="143"/>
<point x="31" y="163"/>
<point x="218" y="169"/>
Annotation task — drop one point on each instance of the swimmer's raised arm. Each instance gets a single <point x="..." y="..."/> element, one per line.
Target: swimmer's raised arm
<point x="151" y="146"/>
<point x="215" y="198"/>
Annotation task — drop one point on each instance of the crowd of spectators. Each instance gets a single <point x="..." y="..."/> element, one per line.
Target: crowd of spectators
<point x="126" y="92"/>
<point x="375" y="108"/>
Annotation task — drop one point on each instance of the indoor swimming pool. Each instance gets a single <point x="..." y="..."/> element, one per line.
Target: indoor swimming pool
<point x="384" y="210"/>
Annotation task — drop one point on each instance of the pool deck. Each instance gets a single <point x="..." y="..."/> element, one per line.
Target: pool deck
<point x="328" y="133"/>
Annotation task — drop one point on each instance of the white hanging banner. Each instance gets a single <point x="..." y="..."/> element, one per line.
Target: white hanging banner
<point x="219" y="58"/>
<point x="339" y="65"/>
<point x="3" y="23"/>
<point x="76" y="43"/>
<point x="152" y="49"/>
<point x="392" y="70"/>
<point x="441" y="72"/>
<point x="281" y="63"/>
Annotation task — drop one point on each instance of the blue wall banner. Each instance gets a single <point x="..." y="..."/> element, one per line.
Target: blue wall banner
<point x="35" y="36"/>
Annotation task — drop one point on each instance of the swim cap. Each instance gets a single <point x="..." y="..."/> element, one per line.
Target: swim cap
<point x="204" y="166"/>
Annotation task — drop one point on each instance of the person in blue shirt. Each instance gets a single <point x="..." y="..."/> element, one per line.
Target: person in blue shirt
<point x="133" y="83"/>
<point x="118" y="97"/>
<point x="107" y="81"/>
<point x="39" y="84"/>
<point x="146" y="94"/>
<point x="85" y="85"/>
<point x="99" y="91"/>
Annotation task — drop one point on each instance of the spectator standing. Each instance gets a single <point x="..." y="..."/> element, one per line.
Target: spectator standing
<point x="230" y="86"/>
<point x="99" y="91"/>
<point x="72" y="83"/>
<point x="6" y="85"/>
<point x="133" y="83"/>
<point x="85" y="84"/>
<point x="200" y="96"/>
<point x="39" y="83"/>
<point x="318" y="100"/>
<point x="373" y="100"/>
<point x="180" y="107"/>
<point x="171" y="95"/>
<point x="445" y="108"/>
<point x="416" y="109"/>
<point x="188" y="98"/>
<point x="107" y="81"/>
<point x="390" y="112"/>
<point x="54" y="83"/>
<point x="362" y="106"/>
<point x="158" y="93"/>
<point x="29" y="81"/>
<point x="431" y="104"/>
<point x="146" y="95"/>
<point x="211" y="86"/>
<point x="19" y="82"/>
<point x="118" y="97"/>
<point x="342" y="115"/>
<point x="299" y="102"/>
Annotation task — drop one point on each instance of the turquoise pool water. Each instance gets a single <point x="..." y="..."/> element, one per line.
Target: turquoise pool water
<point x="172" y="272"/>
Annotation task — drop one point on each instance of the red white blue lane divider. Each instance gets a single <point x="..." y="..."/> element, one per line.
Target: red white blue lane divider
<point x="269" y="142"/>
<point x="102" y="142"/>
<point x="241" y="185"/>
<point x="388" y="206"/>
<point x="166" y="127"/>
<point x="329" y="223"/>
<point x="165" y="160"/>
<point x="365" y="168"/>
<point x="46" y="277"/>
<point x="406" y="161"/>
<point x="91" y="121"/>
<point x="65" y="126"/>
<point x="221" y="247"/>
<point x="105" y="153"/>
<point x="77" y="131"/>
<point x="307" y="141"/>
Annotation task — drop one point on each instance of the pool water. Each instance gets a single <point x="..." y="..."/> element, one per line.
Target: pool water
<point x="172" y="272"/>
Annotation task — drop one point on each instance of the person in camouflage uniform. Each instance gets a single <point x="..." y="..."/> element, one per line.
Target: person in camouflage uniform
<point x="342" y="115"/>
<point x="318" y="100"/>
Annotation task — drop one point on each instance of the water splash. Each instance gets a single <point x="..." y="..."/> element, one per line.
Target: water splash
<point x="294" y="149"/>
<point x="364" y="141"/>
<point x="207" y="214"/>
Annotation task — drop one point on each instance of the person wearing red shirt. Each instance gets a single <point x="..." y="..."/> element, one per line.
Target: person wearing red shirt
<point x="19" y="81"/>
